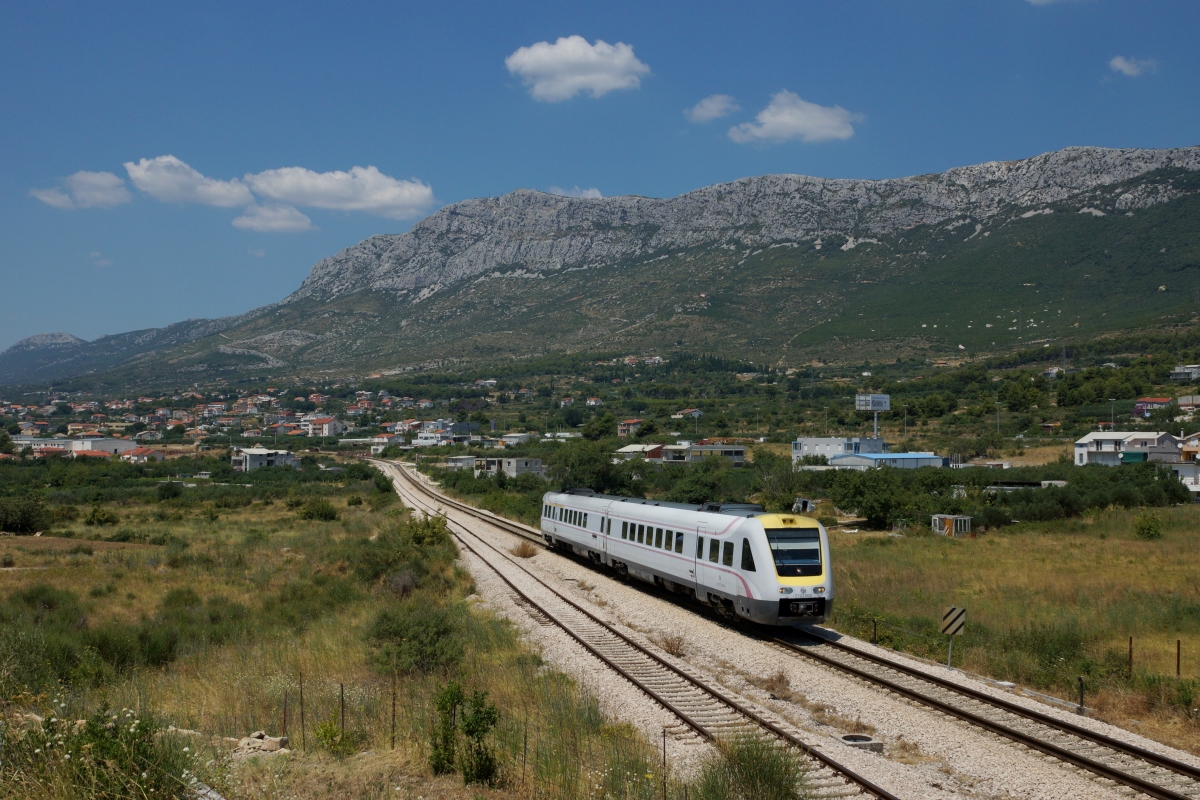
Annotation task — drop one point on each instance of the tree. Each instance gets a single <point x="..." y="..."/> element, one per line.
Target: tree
<point x="599" y="427"/>
<point x="6" y="443"/>
<point x="586" y="465"/>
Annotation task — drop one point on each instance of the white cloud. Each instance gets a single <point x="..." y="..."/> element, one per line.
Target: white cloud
<point x="360" y="189"/>
<point x="99" y="260"/>
<point x="257" y="252"/>
<point x="168" y="179"/>
<point x="1132" y="67"/>
<point x="589" y="194"/>
<point x="559" y="71"/>
<point x="712" y="107"/>
<point x="272" y="219"/>
<point x="788" y="117"/>
<point x="86" y="190"/>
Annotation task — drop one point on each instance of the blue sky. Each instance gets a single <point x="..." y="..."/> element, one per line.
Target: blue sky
<point x="159" y="163"/>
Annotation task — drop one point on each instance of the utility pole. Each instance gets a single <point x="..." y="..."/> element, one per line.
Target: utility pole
<point x="998" y="404"/>
<point x="906" y="422"/>
<point x="827" y="420"/>
<point x="1112" y="413"/>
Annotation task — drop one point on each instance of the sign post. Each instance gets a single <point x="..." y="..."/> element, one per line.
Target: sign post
<point x="953" y="621"/>
<point x="873" y="402"/>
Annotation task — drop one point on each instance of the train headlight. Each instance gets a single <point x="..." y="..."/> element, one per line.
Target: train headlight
<point x="785" y="590"/>
<point x="818" y="590"/>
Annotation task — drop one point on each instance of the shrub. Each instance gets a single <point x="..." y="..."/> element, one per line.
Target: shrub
<point x="169" y="491"/>
<point x="383" y="483"/>
<point x="101" y="516"/>
<point x="318" y="509"/>
<point x="1147" y="526"/>
<point x="23" y="515"/>
<point x="478" y="760"/>
<point x="417" y="636"/>
<point x="750" y="768"/>
<point x="444" y="747"/>
<point x="330" y="736"/>
<point x="828" y="522"/>
<point x="354" y="500"/>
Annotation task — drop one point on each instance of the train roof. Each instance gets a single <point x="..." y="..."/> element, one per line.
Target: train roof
<point x="732" y="509"/>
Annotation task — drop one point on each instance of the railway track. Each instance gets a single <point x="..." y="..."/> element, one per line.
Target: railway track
<point x="1111" y="760"/>
<point x="700" y="708"/>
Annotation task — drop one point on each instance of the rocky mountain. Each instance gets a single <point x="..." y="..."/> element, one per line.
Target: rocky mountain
<point x="780" y="267"/>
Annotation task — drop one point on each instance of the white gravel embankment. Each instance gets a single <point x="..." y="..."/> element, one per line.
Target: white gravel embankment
<point x="927" y="755"/>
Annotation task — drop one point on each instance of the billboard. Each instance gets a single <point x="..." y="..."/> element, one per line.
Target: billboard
<point x="872" y="402"/>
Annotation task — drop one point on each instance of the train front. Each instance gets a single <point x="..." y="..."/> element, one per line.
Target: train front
<point x="799" y="548"/>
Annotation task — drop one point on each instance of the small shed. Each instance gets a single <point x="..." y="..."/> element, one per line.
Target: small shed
<point x="956" y="525"/>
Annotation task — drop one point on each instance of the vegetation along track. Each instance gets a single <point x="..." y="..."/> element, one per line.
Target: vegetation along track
<point x="1141" y="770"/>
<point x="1110" y="759"/>
<point x="705" y="710"/>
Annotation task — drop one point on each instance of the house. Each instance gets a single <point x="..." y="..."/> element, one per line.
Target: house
<point x="830" y="446"/>
<point x="323" y="426"/>
<point x="1188" y="403"/>
<point x="511" y="467"/>
<point x="650" y="452"/>
<point x="865" y="461"/>
<point x="566" y="402"/>
<point x="1188" y="472"/>
<point x="1190" y="448"/>
<point x="594" y="402"/>
<point x="1186" y="373"/>
<point x="629" y="427"/>
<point x="253" y="433"/>
<point x="458" y="463"/>
<point x="690" y="413"/>
<point x="514" y="439"/>
<point x="486" y="383"/>
<point x="424" y="404"/>
<point x="434" y="438"/>
<point x="249" y="458"/>
<point x="1121" y="447"/>
<point x="142" y="455"/>
<point x="1145" y="405"/>
<point x="149" y="436"/>
<point x="524" y="394"/>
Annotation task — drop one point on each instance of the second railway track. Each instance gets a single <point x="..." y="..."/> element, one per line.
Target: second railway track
<point x="704" y="709"/>
<point x="1110" y="759"/>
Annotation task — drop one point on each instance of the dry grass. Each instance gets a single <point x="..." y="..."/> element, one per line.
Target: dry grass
<point x="781" y="688"/>
<point x="524" y="549"/>
<point x="672" y="643"/>
<point x="1044" y="602"/>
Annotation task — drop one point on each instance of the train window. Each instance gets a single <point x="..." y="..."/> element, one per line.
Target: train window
<point x="747" y="556"/>
<point x="658" y="537"/>
<point x="699" y="547"/>
<point x="679" y="542"/>
<point x="714" y="550"/>
<point x="585" y="516"/>
<point x="727" y="556"/>
<point x="796" y="551"/>
<point x="670" y="540"/>
<point x="641" y="534"/>
<point x="624" y="529"/>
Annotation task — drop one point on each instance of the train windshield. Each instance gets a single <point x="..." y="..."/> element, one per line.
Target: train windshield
<point x="797" y="551"/>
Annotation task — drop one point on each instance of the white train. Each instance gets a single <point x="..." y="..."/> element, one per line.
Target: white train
<point x="769" y="568"/>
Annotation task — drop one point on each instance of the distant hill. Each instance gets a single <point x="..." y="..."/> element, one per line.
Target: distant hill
<point x="779" y="268"/>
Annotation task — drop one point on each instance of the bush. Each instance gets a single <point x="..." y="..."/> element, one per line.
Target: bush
<point x="23" y="515"/>
<point x="478" y="759"/>
<point x="1147" y="526"/>
<point x="417" y="636"/>
<point x="169" y="491"/>
<point x="828" y="522"/>
<point x="101" y="516"/>
<point x="444" y="747"/>
<point x="751" y="768"/>
<point x="318" y="509"/>
<point x="354" y="500"/>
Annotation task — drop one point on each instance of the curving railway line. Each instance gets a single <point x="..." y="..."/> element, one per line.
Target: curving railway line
<point x="704" y="709"/>
<point x="1110" y="760"/>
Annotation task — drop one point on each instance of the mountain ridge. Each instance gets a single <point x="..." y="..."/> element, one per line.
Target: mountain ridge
<point x="531" y="272"/>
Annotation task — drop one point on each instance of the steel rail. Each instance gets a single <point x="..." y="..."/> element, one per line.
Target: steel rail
<point x="1033" y="742"/>
<point x="1013" y="708"/>
<point x="863" y="783"/>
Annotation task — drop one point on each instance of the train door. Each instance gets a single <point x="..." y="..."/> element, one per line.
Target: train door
<point x="707" y="576"/>
<point x="605" y="531"/>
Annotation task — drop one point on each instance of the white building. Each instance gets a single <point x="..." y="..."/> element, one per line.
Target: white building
<point x="247" y="458"/>
<point x="514" y="439"/>
<point x="114" y="446"/>
<point x="323" y="426"/>
<point x="1113" y="448"/>
<point x="830" y="446"/>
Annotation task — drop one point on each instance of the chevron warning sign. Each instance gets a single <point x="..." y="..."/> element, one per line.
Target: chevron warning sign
<point x="954" y="620"/>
